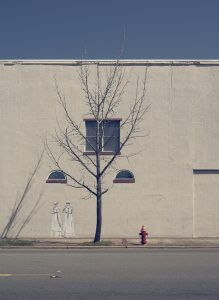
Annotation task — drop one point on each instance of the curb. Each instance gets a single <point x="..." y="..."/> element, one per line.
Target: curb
<point x="110" y="247"/>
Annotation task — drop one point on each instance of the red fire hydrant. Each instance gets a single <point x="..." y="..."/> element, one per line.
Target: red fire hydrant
<point x="143" y="233"/>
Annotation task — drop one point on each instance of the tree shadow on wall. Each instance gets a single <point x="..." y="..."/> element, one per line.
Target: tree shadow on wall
<point x="19" y="203"/>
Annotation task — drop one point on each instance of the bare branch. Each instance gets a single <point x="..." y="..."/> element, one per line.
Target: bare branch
<point x="57" y="164"/>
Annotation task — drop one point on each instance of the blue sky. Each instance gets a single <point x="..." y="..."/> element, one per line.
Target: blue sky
<point x="63" y="29"/>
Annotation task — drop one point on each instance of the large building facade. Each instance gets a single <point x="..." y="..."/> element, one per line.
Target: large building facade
<point x="174" y="191"/>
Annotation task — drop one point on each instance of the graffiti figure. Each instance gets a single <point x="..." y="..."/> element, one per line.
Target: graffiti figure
<point x="68" y="225"/>
<point x="56" y="226"/>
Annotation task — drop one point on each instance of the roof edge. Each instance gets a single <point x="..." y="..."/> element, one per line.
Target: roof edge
<point x="109" y="61"/>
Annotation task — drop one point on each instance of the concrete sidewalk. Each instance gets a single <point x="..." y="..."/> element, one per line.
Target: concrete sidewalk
<point x="130" y="243"/>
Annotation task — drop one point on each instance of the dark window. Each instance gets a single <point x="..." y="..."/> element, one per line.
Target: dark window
<point x="56" y="177"/>
<point x="109" y="135"/>
<point x="91" y="135"/>
<point x="124" y="176"/>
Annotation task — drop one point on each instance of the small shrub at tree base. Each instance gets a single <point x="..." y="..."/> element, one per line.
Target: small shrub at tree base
<point x="100" y="243"/>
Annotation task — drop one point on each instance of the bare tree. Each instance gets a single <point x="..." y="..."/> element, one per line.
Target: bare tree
<point x="103" y="89"/>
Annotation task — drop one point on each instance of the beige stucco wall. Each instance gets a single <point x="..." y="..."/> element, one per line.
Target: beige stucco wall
<point x="182" y="135"/>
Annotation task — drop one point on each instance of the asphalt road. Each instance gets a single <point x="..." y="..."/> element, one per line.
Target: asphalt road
<point x="109" y="274"/>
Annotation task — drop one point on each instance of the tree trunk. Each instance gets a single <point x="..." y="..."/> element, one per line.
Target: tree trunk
<point x="99" y="185"/>
<point x="99" y="210"/>
<point x="99" y="219"/>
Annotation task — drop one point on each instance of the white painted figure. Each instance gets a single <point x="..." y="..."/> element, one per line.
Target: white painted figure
<point x="68" y="230"/>
<point x="56" y="225"/>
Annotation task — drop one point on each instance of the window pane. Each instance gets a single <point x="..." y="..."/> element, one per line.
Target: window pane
<point x="111" y="128"/>
<point x="111" y="144"/>
<point x="91" y="128"/>
<point x="91" y="143"/>
<point x="124" y="174"/>
<point x="111" y="135"/>
<point x="56" y="175"/>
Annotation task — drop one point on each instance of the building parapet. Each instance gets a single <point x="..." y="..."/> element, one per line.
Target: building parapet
<point x="128" y="62"/>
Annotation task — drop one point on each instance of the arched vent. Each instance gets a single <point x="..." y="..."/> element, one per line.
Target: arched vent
<point x="56" y="177"/>
<point x="124" y="176"/>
